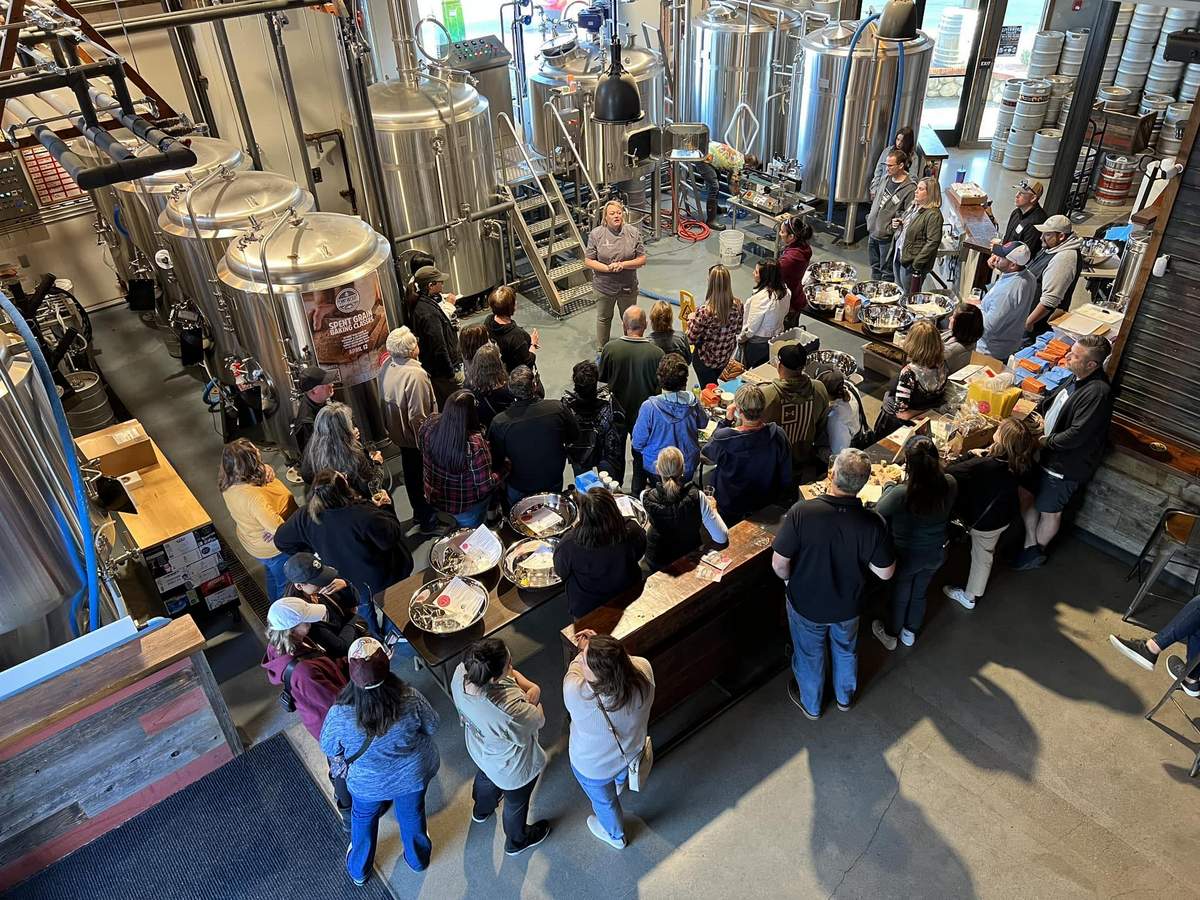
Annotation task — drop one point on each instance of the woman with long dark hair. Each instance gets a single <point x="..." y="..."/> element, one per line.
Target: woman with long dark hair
<point x="679" y="513"/>
<point x="966" y="328"/>
<point x="598" y="559"/>
<point x="714" y="328"/>
<point x="384" y="730"/>
<point x="501" y="712"/>
<point x="364" y="542"/>
<point x="917" y="511"/>
<point x="987" y="499"/>
<point x="337" y="444"/>
<point x="470" y="339"/>
<point x="487" y="380"/>
<point x="608" y="694"/>
<point x="794" y="236"/>
<point x="766" y="309"/>
<point x="258" y="503"/>
<point x="458" y="461"/>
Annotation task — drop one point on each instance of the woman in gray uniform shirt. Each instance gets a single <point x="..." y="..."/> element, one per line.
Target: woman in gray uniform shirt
<point x="614" y="254"/>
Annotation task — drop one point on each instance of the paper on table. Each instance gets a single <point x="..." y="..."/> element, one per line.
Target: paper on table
<point x="625" y="505"/>
<point x="970" y="370"/>
<point x="458" y="600"/>
<point x="482" y="544"/>
<point x="542" y="520"/>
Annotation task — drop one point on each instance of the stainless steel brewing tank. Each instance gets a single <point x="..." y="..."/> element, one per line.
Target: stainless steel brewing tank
<point x="731" y="63"/>
<point x="36" y="567"/>
<point x="141" y="202"/>
<point x="579" y="64"/>
<point x="867" y="124"/>
<point x="431" y="178"/>
<point x="224" y="208"/>
<point x="334" y="303"/>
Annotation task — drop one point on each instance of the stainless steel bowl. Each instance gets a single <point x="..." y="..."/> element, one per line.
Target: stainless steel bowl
<point x="881" y="292"/>
<point x="886" y="319"/>
<point x="945" y="306"/>
<point x="426" y="613"/>
<point x="639" y="511"/>
<point x="447" y="558"/>
<point x="524" y="510"/>
<point x="1097" y="251"/>
<point x="831" y="271"/>
<point x="826" y="298"/>
<point x="843" y="362"/>
<point x="514" y="563"/>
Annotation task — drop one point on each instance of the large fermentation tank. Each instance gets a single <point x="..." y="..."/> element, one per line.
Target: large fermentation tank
<point x="223" y="208"/>
<point x="871" y="91"/>
<point x="733" y="61"/>
<point x="568" y="62"/>
<point x="141" y="202"/>
<point x="435" y="143"/>
<point x="38" y="567"/>
<point x="327" y="295"/>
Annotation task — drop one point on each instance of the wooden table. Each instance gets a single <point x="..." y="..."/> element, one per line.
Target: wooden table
<point x="977" y="232"/>
<point x="695" y="631"/>
<point x="506" y="604"/>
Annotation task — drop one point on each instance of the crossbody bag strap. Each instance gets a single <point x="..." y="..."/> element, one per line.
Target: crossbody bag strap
<point x="611" y="728"/>
<point x="983" y="515"/>
<point x="361" y="751"/>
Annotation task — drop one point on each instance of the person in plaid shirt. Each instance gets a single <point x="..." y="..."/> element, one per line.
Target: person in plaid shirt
<point x="459" y="479"/>
<point x="714" y="329"/>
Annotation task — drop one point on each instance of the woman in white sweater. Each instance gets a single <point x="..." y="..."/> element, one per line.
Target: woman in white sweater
<point x="608" y="694"/>
<point x="764" y="314"/>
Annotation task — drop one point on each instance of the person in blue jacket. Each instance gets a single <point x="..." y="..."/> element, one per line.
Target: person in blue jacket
<point x="672" y="419"/>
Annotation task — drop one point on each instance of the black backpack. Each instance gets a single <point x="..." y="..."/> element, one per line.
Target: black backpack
<point x="286" y="700"/>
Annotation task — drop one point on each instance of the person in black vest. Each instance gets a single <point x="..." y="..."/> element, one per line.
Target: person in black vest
<point x="1077" y="416"/>
<point x="601" y="442"/>
<point x="532" y="436"/>
<point x="1057" y="269"/>
<point x="440" y="353"/>
<point x="598" y="559"/>
<point x="679" y="514"/>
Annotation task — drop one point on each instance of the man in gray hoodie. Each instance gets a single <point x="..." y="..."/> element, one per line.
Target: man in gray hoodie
<point x="889" y="202"/>
<point x="1056" y="267"/>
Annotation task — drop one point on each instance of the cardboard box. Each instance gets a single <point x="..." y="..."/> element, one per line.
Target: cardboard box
<point x="120" y="449"/>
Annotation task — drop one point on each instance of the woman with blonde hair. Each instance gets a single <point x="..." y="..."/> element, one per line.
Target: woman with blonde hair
<point x="678" y="513"/>
<point x="919" y="236"/>
<point x="714" y="329"/>
<point x="259" y="503"/>
<point x="921" y="383"/>
<point x="615" y="252"/>
<point x="987" y="499"/>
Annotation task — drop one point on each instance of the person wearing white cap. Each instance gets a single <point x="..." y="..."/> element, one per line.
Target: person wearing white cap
<point x="310" y="676"/>
<point x="1056" y="267"/>
<point x="382" y="730"/>
<point x="1007" y="302"/>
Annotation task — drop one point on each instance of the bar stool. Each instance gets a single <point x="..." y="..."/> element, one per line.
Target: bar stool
<point x="1187" y="670"/>
<point x="1175" y="532"/>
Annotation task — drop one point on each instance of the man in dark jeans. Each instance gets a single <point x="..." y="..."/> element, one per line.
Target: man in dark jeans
<point x="1185" y="627"/>
<point x="1076" y="431"/>
<point x="533" y="436"/>
<point x="822" y="552"/>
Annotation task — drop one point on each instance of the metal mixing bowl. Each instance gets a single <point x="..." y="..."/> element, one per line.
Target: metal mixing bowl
<point x="514" y="556"/>
<point x="1097" y="251"/>
<point x="831" y="271"/>
<point x="447" y="558"/>
<point x="881" y="292"/>
<point x="843" y="362"/>
<point x="560" y="503"/>
<point x="886" y="319"/>
<point x="945" y="304"/>
<point x="425" y="612"/>
<point x="826" y="299"/>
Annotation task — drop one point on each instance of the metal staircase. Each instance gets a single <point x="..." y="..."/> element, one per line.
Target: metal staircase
<point x="546" y="228"/>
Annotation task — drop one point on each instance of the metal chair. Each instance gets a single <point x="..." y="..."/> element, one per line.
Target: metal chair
<point x="1175" y="532"/>
<point x="1189" y="670"/>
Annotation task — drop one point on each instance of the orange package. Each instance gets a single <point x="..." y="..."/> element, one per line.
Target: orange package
<point x="1058" y="346"/>
<point x="1048" y="356"/>
<point x="1029" y="365"/>
<point x="1033" y="386"/>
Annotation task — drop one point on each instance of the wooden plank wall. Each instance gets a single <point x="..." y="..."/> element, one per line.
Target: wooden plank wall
<point x="86" y="773"/>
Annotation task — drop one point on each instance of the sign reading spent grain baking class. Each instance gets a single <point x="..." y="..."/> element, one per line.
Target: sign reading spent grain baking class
<point x="349" y="328"/>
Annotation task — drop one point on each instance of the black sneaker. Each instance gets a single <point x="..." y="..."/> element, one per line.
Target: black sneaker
<point x="793" y="690"/>
<point x="479" y="819"/>
<point x="1029" y="558"/>
<point x="845" y="707"/>
<point x="1135" y="650"/>
<point x="1176" y="666"/>
<point x="538" y="832"/>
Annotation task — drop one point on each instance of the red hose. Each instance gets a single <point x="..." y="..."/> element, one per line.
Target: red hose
<point x="690" y="229"/>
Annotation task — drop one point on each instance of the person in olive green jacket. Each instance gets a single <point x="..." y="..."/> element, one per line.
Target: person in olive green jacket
<point x="919" y="235"/>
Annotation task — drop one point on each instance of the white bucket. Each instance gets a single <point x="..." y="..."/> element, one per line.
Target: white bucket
<point x="730" y="243"/>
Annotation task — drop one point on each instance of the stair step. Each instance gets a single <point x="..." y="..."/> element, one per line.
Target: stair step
<point x="558" y="246"/>
<point x="558" y="273"/>
<point x="580" y="290"/>
<point x="533" y="202"/>
<point x="545" y="225"/>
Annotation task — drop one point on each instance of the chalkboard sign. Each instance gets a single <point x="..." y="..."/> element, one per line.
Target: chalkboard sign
<point x="1010" y="36"/>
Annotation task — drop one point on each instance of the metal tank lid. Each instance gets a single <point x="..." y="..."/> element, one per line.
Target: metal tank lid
<point x="210" y="153"/>
<point x="396" y="106"/>
<point x="224" y="206"/>
<point x="312" y="252"/>
<point x="835" y="38"/>
<point x="726" y="17"/>
<point x="585" y="61"/>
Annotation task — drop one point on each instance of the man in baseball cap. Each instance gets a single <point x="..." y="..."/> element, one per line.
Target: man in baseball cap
<point x="1057" y="268"/>
<point x="316" y="387"/>
<point x="1007" y="302"/>
<point x="429" y="319"/>
<point x="1026" y="215"/>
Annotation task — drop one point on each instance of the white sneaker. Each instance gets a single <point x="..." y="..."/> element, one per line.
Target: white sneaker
<point x="959" y="596"/>
<point x="907" y="638"/>
<point x="597" y="829"/>
<point x="293" y="475"/>
<point x="881" y="634"/>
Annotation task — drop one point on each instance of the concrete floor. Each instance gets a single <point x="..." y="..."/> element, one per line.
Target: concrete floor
<point x="1004" y="756"/>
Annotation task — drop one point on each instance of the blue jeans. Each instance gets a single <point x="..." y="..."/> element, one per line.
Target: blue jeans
<point x="1184" y="627"/>
<point x="276" y="582"/>
<point x="364" y="832"/>
<point x="914" y="571"/>
<point x="473" y="515"/>
<point x="605" y="802"/>
<point x="808" y="658"/>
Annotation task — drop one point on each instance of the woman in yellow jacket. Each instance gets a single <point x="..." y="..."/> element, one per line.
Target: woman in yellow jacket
<point x="259" y="503"/>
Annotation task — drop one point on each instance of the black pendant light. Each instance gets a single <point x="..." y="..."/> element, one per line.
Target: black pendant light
<point x="899" y="20"/>
<point x="617" y="97"/>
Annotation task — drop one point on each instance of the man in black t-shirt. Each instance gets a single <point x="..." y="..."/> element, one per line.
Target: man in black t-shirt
<point x="822" y="552"/>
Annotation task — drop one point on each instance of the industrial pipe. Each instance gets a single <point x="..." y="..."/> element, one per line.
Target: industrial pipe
<point x="484" y="213"/>
<point x="198" y="16"/>
<point x="275" y="23"/>
<point x="235" y="90"/>
<point x="835" y="155"/>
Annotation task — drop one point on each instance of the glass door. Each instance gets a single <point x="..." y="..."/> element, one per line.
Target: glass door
<point x="1011" y="47"/>
<point x="953" y="25"/>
